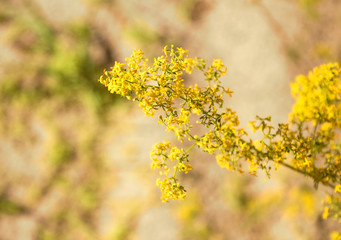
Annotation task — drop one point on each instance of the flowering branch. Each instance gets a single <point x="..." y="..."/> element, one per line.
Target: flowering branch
<point x="308" y="144"/>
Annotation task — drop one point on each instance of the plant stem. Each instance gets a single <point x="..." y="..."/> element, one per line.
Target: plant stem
<point x="189" y="149"/>
<point x="305" y="173"/>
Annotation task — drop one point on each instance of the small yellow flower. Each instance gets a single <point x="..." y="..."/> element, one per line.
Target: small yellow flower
<point x="338" y="188"/>
<point x="325" y="213"/>
<point x="252" y="126"/>
<point x="335" y="236"/>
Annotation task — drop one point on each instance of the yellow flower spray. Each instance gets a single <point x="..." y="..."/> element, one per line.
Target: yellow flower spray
<point x="308" y="144"/>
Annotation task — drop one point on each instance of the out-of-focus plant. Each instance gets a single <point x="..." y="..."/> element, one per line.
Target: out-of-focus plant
<point x="193" y="224"/>
<point x="142" y="33"/>
<point x="308" y="144"/>
<point x="191" y="10"/>
<point x="51" y="82"/>
<point x="309" y="6"/>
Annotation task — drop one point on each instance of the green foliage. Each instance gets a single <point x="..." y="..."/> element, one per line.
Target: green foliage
<point x="142" y="33"/>
<point x="310" y="7"/>
<point x="61" y="153"/>
<point x="9" y="207"/>
<point x="191" y="10"/>
<point x="50" y="83"/>
<point x="193" y="224"/>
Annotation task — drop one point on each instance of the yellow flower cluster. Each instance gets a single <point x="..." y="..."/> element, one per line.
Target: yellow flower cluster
<point x="318" y="95"/>
<point x="316" y="115"/>
<point x="310" y="138"/>
<point x="160" y="86"/>
<point x="162" y="155"/>
<point x="332" y="207"/>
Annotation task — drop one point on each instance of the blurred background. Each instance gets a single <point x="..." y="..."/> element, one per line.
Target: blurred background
<point x="74" y="159"/>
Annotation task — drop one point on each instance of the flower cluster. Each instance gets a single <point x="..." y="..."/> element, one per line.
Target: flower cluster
<point x="318" y="96"/>
<point x="309" y="143"/>
<point x="161" y="86"/>
<point x="316" y="116"/>
<point x="162" y="155"/>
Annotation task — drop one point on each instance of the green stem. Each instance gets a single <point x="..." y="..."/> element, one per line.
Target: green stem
<point x="187" y="151"/>
<point x="305" y="173"/>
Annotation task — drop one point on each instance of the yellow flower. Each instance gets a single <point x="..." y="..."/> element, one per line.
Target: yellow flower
<point x="184" y="167"/>
<point x="259" y="145"/>
<point x="223" y="161"/>
<point x="338" y="188"/>
<point x="252" y="126"/>
<point x="325" y="213"/>
<point x="335" y="236"/>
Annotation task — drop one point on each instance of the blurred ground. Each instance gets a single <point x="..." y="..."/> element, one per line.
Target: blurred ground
<point x="74" y="160"/>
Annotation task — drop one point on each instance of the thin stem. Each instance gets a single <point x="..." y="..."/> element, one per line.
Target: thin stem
<point x="305" y="173"/>
<point x="187" y="151"/>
